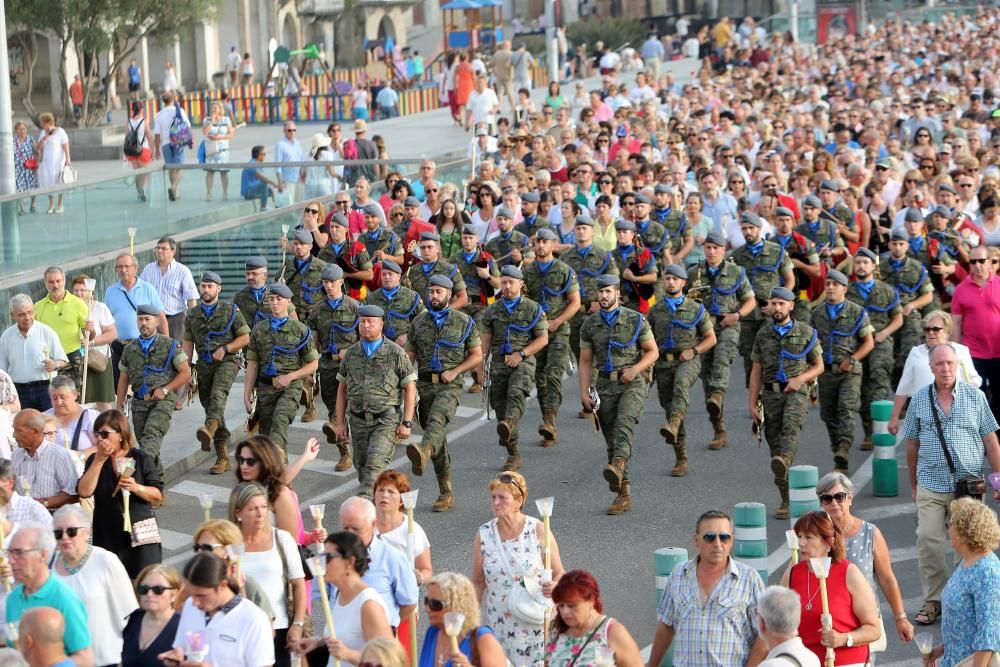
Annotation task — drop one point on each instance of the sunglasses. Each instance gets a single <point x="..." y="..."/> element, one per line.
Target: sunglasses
<point x="605" y="182"/>
<point x="72" y="531"/>
<point x="978" y="261"/>
<point x="507" y="478"/>
<point x="332" y="555"/>
<point x="722" y="537"/>
<point x="933" y="329"/>
<point x="104" y="434"/>
<point x="433" y="605"/>
<point x="155" y="590"/>
<point x="431" y="190"/>
<point x="369" y="664"/>
<point x="827" y="498"/>
<point x="198" y="548"/>
<point x="881" y="168"/>
<point x="313" y="211"/>
<point x="248" y="461"/>
<point x="342" y="203"/>
<point x="49" y="433"/>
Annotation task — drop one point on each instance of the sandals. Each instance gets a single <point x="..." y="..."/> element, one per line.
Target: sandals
<point x="928" y="613"/>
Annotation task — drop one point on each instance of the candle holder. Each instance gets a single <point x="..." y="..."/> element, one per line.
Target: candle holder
<point x="317" y="566"/>
<point x="26" y="487"/>
<point x="409" y="500"/>
<point x="197" y="646"/>
<point x="126" y="466"/>
<point x="90" y="284"/>
<point x="793" y="545"/>
<point x="318" y="512"/>
<point x="544" y="506"/>
<point x="821" y="570"/>
<point x="206" y="500"/>
<point x="925" y="642"/>
<point x="131" y="240"/>
<point x="453" y="622"/>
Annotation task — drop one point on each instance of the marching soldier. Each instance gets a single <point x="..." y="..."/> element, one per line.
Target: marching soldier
<point x="766" y="266"/>
<point x="821" y="232"/>
<point x="514" y="330"/>
<point x="155" y="367"/>
<point x="375" y="376"/>
<point x="280" y="356"/>
<point x="885" y="315"/>
<point x="482" y="279"/>
<point x="834" y="208"/>
<point x="379" y="242"/>
<point x="252" y="299"/>
<point x="401" y="304"/>
<point x="951" y="241"/>
<point x="304" y="278"/>
<point x="445" y="343"/>
<point x="588" y="262"/>
<point x="802" y="254"/>
<point x="663" y="211"/>
<point x="724" y="287"/>
<point x="846" y="337"/>
<point x="652" y="234"/>
<point x="683" y="331"/>
<point x="509" y="247"/>
<point x="786" y="357"/>
<point x="913" y="286"/>
<point x="553" y="285"/>
<point x="418" y="276"/>
<point x="930" y="253"/>
<point x="334" y="324"/>
<point x="619" y="343"/>
<point x="680" y="236"/>
<point x="531" y="221"/>
<point x="637" y="266"/>
<point x="217" y="330"/>
<point x="351" y="256"/>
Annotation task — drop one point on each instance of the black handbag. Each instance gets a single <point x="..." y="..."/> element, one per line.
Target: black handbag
<point x="972" y="486"/>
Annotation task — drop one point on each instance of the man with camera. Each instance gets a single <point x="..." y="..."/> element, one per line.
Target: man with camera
<point x="948" y="428"/>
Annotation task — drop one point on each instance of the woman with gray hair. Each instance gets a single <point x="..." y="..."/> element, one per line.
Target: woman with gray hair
<point x="98" y="577"/>
<point x="76" y="423"/>
<point x="866" y="547"/>
<point x="917" y="369"/>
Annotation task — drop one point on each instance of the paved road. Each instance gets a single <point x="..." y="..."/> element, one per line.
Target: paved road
<point x="618" y="550"/>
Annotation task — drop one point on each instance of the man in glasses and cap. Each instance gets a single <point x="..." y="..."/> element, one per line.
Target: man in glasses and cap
<point x="214" y="332"/>
<point x="155" y="367"/>
<point x="786" y="356"/>
<point x="909" y="278"/>
<point x="847" y="338"/>
<point x="252" y="299"/>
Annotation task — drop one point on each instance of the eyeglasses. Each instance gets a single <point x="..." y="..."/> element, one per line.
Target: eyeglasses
<point x="49" y="433"/>
<point x="290" y="129"/>
<point x="72" y="531"/>
<point x="722" y="537"/>
<point x="966" y="185"/>
<point x="827" y="498"/>
<point x="933" y="329"/>
<point x="103" y="435"/>
<point x="198" y="548"/>
<point x="342" y="203"/>
<point x="313" y="211"/>
<point x="605" y="182"/>
<point x="20" y="553"/>
<point x="431" y="190"/>
<point x="881" y="168"/>
<point x="507" y="478"/>
<point x="155" y="590"/>
<point x="332" y="555"/>
<point x="981" y="260"/>
<point x="434" y="605"/>
<point x="248" y="461"/>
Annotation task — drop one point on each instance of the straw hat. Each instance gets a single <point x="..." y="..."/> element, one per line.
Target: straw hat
<point x="319" y="140"/>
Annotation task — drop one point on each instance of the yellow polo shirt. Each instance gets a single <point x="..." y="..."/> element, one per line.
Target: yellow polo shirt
<point x="67" y="318"/>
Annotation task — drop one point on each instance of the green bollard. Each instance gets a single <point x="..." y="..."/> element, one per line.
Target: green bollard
<point x="885" y="469"/>
<point x="664" y="562"/>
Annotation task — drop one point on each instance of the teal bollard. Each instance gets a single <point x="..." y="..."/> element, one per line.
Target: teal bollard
<point x="885" y="469"/>
<point x="664" y="562"/>
<point x="802" y="481"/>
<point x="750" y="528"/>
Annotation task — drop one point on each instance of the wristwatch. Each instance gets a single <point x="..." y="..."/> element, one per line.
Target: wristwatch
<point x="524" y="355"/>
<point x="408" y="423"/>
<point x="300" y="624"/>
<point x="854" y="362"/>
<point x="850" y="640"/>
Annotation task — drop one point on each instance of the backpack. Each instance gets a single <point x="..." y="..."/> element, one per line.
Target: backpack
<point x="350" y="150"/>
<point x="133" y="147"/>
<point x="180" y="132"/>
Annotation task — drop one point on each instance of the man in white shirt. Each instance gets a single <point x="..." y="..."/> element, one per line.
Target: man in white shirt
<point x="29" y="352"/>
<point x="778" y="612"/>
<point x="50" y="470"/>
<point x="20" y="509"/>
<point x="171" y="154"/>
<point x="482" y="106"/>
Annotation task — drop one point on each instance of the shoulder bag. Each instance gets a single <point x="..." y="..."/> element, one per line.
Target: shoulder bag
<point x="973" y="486"/>
<point x="528" y="607"/>
<point x="289" y="595"/>
<point x="68" y="175"/>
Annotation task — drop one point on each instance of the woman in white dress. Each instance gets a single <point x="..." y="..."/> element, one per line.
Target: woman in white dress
<point x="320" y="180"/>
<point x="52" y="149"/>
<point x="219" y="131"/>
<point x="100" y="389"/>
<point x="506" y="551"/>
<point x="98" y="577"/>
<point x="170" y="83"/>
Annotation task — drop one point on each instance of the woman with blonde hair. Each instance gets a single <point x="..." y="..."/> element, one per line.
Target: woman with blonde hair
<point x="384" y="651"/>
<point x="218" y="536"/>
<point x="219" y="131"/>
<point x="151" y="628"/>
<point x="477" y="645"/>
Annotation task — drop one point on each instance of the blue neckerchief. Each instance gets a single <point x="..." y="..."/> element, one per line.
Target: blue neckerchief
<point x="833" y="310"/>
<point x="641" y="227"/>
<point x="916" y="244"/>
<point x="337" y="247"/>
<point x="713" y="271"/>
<point x="270" y="370"/>
<point x="584" y="251"/>
<point x="506" y="237"/>
<point x="897" y="264"/>
<point x="209" y="310"/>
<point x="277" y="322"/>
<point x="661" y="214"/>
<point x="611" y="316"/>
<point x="784" y="354"/>
<point x="613" y="344"/>
<point x="840" y="333"/>
<point x="390" y="294"/>
<point x="371" y="346"/>
<point x="543" y="267"/>
<point x="435" y="362"/>
<point x="258" y="293"/>
<point x="374" y="235"/>
<point x="146" y="343"/>
<point x="439" y="316"/>
<point x="470" y="257"/>
<point x="783" y="329"/>
<point x="334" y="303"/>
<point x="510" y="306"/>
<point x="205" y="353"/>
<point x="673" y="304"/>
<point x="783" y="240"/>
<point x="943" y="246"/>
<point x="756" y="248"/>
<point x="428" y="266"/>
<point x="814" y="226"/>
<point x="530" y="220"/>
<point x="865" y="288"/>
<point x="302" y="265"/>
<point x="625" y="251"/>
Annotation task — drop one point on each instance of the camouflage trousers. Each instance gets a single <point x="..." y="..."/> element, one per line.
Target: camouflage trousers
<point x="716" y="363"/>
<point x="784" y="417"/>
<point x="551" y="363"/>
<point x="373" y="441"/>
<point x="748" y="332"/>
<point x="839" y="401"/>
<point x="150" y="423"/>
<point x="75" y="367"/>
<point x="435" y="410"/>
<point x="510" y="388"/>
<point x="214" y="383"/>
<point x="575" y="324"/>
<point x="621" y="407"/>
<point x="876" y="384"/>
<point x="276" y="409"/>
<point x="674" y="380"/>
<point x="328" y="386"/>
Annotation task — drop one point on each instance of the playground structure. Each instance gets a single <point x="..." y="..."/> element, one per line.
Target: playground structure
<point x="481" y="24"/>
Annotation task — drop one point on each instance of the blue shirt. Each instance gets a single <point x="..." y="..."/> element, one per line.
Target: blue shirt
<point x="123" y="303"/>
<point x="288" y="151"/>
<point x="970" y="620"/>
<point x="389" y="573"/>
<point x="54" y="593"/>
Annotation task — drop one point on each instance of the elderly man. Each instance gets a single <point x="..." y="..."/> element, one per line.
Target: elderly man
<point x="48" y="471"/>
<point x="29" y="352"/>
<point x="41" y="632"/>
<point x="19" y="508"/>
<point x="426" y="181"/>
<point x="694" y="630"/>
<point x="975" y="314"/>
<point x="67" y="315"/>
<point x="778" y="615"/>
<point x="289" y="149"/>
<point x="947" y="430"/>
<point x="30" y="550"/>
<point x="389" y="572"/>
<point x="123" y="298"/>
<point x="174" y="284"/>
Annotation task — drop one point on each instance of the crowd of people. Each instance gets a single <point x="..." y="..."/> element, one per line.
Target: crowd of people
<point x="831" y="216"/>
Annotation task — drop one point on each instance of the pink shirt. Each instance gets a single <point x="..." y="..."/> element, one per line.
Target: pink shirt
<point x="980" y="311"/>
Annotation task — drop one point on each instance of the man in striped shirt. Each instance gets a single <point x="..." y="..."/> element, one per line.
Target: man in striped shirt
<point x="174" y="284"/>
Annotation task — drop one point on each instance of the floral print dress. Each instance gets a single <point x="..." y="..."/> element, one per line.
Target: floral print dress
<point x="521" y="643"/>
<point x="577" y="651"/>
<point x="25" y="179"/>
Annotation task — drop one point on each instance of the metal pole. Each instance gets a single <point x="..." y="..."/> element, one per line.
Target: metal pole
<point x="793" y="19"/>
<point x="551" y="49"/>
<point x="8" y="185"/>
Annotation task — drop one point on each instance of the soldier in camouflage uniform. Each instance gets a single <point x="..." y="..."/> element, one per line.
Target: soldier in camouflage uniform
<point x="280" y="356"/>
<point x="401" y="304"/>
<point x="885" y="315"/>
<point x="616" y="346"/>
<point x="838" y="213"/>
<point x="509" y="247"/>
<point x="531" y="221"/>
<point x="637" y="266"/>
<point x="217" y="330"/>
<point x="482" y="279"/>
<point x="786" y="357"/>
<point x="951" y="241"/>
<point x="552" y="284"/>
<point x="803" y="256"/>
<point x="913" y="285"/>
<point x="155" y="367"/>
<point x="652" y="234"/>
<point x="589" y="262"/>
<point x="375" y="377"/>
<point x="444" y="345"/>
<point x="334" y="326"/>
<point x="930" y="253"/>
<point x="680" y="237"/>
<point x="683" y="331"/>
<point x="380" y="243"/>
<point x="252" y="300"/>
<point x="351" y="256"/>
<point x="418" y="276"/>
<point x="822" y="232"/>
<point x="766" y="266"/>
<point x="846" y="336"/>
<point x="725" y="290"/>
<point x="514" y="329"/>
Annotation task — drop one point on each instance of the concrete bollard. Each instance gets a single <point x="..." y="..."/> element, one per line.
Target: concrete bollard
<point x="802" y="481"/>
<point x="664" y="562"/>
<point x="750" y="528"/>
<point x="885" y="473"/>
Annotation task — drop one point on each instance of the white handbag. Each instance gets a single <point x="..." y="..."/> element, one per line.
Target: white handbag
<point x="68" y="175"/>
<point x="525" y="601"/>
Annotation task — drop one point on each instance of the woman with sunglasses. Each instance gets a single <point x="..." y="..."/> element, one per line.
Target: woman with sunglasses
<point x="313" y="216"/>
<point x="102" y="482"/>
<point x="217" y="536"/>
<point x="451" y="592"/>
<point x="484" y="217"/>
<point x="865" y="547"/>
<point x="852" y="602"/>
<point x="357" y="609"/>
<point x="98" y="577"/>
<point x="506" y="552"/>
<point x="152" y="627"/>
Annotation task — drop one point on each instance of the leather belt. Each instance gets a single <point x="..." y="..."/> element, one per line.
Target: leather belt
<point x="370" y="416"/>
<point x="776" y="387"/>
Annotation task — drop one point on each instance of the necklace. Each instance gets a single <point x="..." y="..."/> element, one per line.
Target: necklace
<point x="80" y="563"/>
<point x="810" y="598"/>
